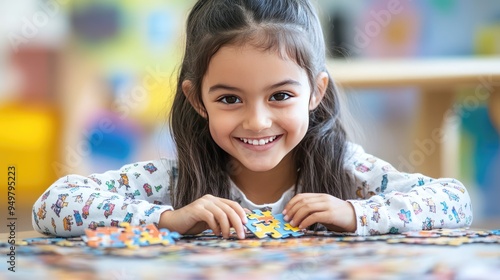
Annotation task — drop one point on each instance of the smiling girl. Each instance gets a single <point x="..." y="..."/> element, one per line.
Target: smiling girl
<point x="257" y="123"/>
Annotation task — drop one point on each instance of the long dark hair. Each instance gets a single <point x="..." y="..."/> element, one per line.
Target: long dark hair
<point x="291" y="29"/>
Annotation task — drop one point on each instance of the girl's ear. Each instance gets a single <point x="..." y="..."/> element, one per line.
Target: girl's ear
<point x="187" y="86"/>
<point x="319" y="93"/>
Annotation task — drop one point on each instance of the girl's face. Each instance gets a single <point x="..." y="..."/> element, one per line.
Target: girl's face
<point x="257" y="104"/>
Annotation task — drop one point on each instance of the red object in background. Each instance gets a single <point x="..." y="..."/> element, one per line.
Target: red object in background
<point x="37" y="68"/>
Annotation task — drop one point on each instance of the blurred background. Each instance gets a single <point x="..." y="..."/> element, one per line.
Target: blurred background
<point x="86" y="86"/>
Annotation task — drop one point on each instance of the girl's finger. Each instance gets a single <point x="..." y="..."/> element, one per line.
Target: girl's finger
<point x="238" y="209"/>
<point x="233" y="213"/>
<point x="219" y="211"/>
<point x="208" y="217"/>
<point x="303" y="213"/>
<point x="296" y="199"/>
<point x="311" y="219"/>
<point x="306" y="204"/>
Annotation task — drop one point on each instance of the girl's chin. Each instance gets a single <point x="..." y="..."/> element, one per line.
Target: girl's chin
<point x="257" y="166"/>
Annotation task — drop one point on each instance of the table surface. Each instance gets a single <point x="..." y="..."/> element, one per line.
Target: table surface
<point x="311" y="257"/>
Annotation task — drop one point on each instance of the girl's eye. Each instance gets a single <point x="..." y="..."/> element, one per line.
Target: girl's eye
<point x="280" y="96"/>
<point x="230" y="99"/>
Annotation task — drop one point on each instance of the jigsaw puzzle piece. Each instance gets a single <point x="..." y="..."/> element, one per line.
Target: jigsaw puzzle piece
<point x="286" y="229"/>
<point x="129" y="236"/>
<point x="265" y="217"/>
<point x="264" y="224"/>
<point x="270" y="229"/>
<point x="250" y="226"/>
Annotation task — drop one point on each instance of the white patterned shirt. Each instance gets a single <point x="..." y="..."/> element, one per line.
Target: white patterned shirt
<point x="388" y="201"/>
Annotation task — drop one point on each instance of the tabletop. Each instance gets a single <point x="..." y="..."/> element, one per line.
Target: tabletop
<point x="435" y="254"/>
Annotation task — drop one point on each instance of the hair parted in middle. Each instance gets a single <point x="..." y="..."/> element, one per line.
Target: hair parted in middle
<point x="289" y="28"/>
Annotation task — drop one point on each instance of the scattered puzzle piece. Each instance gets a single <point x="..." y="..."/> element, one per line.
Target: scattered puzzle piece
<point x="129" y="236"/>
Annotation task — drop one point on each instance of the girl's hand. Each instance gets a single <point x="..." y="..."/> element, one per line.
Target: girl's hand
<point x="207" y="212"/>
<point x="306" y="209"/>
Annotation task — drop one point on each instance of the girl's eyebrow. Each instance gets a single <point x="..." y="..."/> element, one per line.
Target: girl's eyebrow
<point x="231" y="88"/>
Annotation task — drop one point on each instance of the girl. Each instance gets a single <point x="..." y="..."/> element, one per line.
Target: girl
<point x="256" y="122"/>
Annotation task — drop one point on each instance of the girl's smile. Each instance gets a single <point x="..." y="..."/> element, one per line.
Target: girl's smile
<point x="259" y="144"/>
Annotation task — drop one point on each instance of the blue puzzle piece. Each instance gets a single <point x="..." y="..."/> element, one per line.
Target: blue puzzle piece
<point x="286" y="229"/>
<point x="275" y="224"/>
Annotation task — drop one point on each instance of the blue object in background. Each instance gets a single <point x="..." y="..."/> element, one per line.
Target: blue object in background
<point x="160" y="29"/>
<point x="115" y="145"/>
<point x="485" y="157"/>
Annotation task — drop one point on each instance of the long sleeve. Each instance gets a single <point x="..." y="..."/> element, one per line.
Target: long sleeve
<point x="393" y="202"/>
<point x="136" y="193"/>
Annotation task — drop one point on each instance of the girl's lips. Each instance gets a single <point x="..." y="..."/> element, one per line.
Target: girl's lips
<point x="258" y="141"/>
<point x="259" y="144"/>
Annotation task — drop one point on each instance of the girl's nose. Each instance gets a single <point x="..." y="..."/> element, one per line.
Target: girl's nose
<point x="257" y="119"/>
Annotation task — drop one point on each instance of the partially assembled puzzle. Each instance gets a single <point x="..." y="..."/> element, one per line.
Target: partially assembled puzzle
<point x="129" y="236"/>
<point x="265" y="224"/>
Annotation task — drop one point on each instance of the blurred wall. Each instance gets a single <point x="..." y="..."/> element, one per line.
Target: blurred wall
<point x="85" y="86"/>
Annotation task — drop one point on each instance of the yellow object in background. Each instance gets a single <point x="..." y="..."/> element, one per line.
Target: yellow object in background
<point x="29" y="141"/>
<point x="488" y="40"/>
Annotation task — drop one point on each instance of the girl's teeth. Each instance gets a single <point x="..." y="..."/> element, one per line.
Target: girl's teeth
<point x="259" y="142"/>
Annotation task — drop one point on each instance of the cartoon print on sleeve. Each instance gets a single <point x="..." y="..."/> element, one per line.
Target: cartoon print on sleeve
<point x="108" y="209"/>
<point x="95" y="179"/>
<point x="383" y="185"/>
<point x="59" y="204"/>
<point x="42" y="212"/>
<point x="67" y="222"/>
<point x="150" y="167"/>
<point x="35" y="218"/>
<point x="45" y="195"/>
<point x="128" y="217"/>
<point x="53" y="223"/>
<point x="401" y="197"/>
<point x="405" y="216"/>
<point x="133" y="195"/>
<point x="363" y="220"/>
<point x="86" y="208"/>
<point x="416" y="208"/>
<point x="455" y="214"/>
<point x="78" y="198"/>
<point x="148" y="189"/>
<point x="429" y="202"/>
<point x="445" y="207"/>
<point x="428" y="224"/>
<point x="123" y="181"/>
<point x="364" y="192"/>
<point x="111" y="186"/>
<point x="362" y="167"/>
<point x="151" y="210"/>
<point x="376" y="214"/>
<point x="451" y="195"/>
<point x="78" y="217"/>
